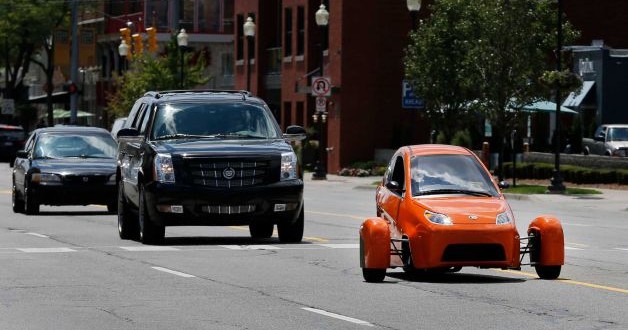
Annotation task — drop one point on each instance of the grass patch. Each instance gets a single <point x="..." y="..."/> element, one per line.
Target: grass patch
<point x="528" y="189"/>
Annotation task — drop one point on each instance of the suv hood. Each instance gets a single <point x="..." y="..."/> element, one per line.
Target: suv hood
<point x="207" y="147"/>
<point x="619" y="144"/>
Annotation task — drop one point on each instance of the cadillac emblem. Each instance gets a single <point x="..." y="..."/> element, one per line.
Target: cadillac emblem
<point x="228" y="173"/>
<point x="85" y="179"/>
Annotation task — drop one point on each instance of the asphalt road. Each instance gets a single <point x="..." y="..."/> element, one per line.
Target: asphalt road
<point x="67" y="269"/>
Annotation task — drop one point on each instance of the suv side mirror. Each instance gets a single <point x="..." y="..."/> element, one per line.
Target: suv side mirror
<point x="21" y="154"/>
<point x="127" y="132"/>
<point x="294" y="133"/>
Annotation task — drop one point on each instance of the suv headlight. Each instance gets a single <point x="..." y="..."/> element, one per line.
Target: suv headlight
<point x="438" y="218"/>
<point x="46" y="179"/>
<point x="163" y="171"/>
<point x="505" y="218"/>
<point x="288" y="166"/>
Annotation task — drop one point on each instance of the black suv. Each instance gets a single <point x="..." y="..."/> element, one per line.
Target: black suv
<point x="207" y="158"/>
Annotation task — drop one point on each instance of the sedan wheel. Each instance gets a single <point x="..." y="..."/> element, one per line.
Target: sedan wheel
<point x="18" y="204"/>
<point x="32" y="207"/>
<point x="150" y="233"/>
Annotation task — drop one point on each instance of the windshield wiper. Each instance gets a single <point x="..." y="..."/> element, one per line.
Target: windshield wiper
<point x="453" y="191"/>
<point x="237" y="135"/>
<point x="180" y="136"/>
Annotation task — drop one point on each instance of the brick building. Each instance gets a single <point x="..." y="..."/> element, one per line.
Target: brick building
<point x="362" y="50"/>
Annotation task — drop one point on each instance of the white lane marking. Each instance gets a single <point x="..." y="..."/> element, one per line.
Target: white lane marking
<point x="174" y="272"/>
<point x="46" y="250"/>
<point x="337" y="316"/>
<point x="149" y="248"/>
<point x="576" y="224"/>
<point x="621" y="249"/>
<point x="250" y="247"/>
<point x="38" y="235"/>
<point x="341" y="246"/>
<point x="573" y="248"/>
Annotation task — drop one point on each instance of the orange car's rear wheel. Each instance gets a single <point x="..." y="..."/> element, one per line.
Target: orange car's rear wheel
<point x="373" y="275"/>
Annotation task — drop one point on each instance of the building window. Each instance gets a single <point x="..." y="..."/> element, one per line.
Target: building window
<point x="287" y="19"/>
<point x="61" y="37"/>
<point x="227" y="17"/>
<point x="227" y="64"/>
<point x="300" y="114"/>
<point x="240" y="38"/>
<point x="157" y="14"/>
<point x="87" y="36"/>
<point x="286" y="117"/>
<point x="300" y="30"/>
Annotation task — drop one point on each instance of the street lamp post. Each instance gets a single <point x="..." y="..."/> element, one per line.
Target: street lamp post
<point x="320" y="172"/>
<point x="557" y="185"/>
<point x="83" y="104"/>
<point x="123" y="51"/>
<point x="182" y="42"/>
<point x="414" y="6"/>
<point x="249" y="33"/>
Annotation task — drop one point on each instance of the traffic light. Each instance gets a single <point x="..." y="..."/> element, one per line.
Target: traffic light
<point x="138" y="46"/>
<point x="125" y="34"/>
<point x="152" y="39"/>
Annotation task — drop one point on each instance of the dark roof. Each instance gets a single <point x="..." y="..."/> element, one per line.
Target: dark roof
<point x="203" y="95"/>
<point x="71" y="129"/>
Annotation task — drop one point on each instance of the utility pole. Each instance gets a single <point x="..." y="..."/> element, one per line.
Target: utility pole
<point x="74" y="61"/>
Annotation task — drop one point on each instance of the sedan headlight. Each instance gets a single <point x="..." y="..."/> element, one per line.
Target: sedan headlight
<point x="504" y="218"/>
<point x="46" y="179"/>
<point x="438" y="218"/>
<point x="288" y="166"/>
<point x="163" y="171"/>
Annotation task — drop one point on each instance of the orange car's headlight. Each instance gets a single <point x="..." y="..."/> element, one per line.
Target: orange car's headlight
<point x="504" y="218"/>
<point x="438" y="218"/>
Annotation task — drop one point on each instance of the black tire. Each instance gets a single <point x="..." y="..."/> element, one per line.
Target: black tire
<point x="373" y="275"/>
<point x="585" y="151"/>
<point x="291" y="232"/>
<point x="30" y="203"/>
<point x="150" y="233"/>
<point x="112" y="207"/>
<point x="127" y="221"/>
<point x="548" y="272"/>
<point x="18" y="204"/>
<point x="261" y="229"/>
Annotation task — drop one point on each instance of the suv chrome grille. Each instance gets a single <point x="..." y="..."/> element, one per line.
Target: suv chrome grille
<point x="227" y="174"/>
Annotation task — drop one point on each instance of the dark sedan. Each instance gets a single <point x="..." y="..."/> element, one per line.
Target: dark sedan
<point x="65" y="165"/>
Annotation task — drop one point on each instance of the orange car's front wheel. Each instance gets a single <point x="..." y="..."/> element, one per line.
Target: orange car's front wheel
<point x="373" y="275"/>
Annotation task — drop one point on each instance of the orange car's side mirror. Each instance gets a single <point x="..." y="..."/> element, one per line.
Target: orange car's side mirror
<point x="394" y="186"/>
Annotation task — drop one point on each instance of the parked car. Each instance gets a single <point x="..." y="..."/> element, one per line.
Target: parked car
<point x="438" y="210"/>
<point x="207" y="158"/>
<point x="608" y="140"/>
<point x="117" y="125"/>
<point x="65" y="165"/>
<point x="11" y="140"/>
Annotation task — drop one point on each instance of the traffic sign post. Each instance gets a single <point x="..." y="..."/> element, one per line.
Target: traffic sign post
<point x="321" y="86"/>
<point x="408" y="99"/>
<point x="321" y="104"/>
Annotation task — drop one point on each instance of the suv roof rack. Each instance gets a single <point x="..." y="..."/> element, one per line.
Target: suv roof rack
<point x="159" y="94"/>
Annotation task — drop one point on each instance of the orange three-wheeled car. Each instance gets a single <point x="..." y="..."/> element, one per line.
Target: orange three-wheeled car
<point x="438" y="210"/>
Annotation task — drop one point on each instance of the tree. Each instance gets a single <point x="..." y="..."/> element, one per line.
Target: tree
<point x="150" y="73"/>
<point x="484" y="55"/>
<point x="25" y="29"/>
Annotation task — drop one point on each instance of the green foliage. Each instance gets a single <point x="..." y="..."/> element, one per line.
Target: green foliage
<point x="462" y="138"/>
<point x="566" y="80"/>
<point x="484" y="56"/>
<point x="149" y="73"/>
<point x="570" y="173"/>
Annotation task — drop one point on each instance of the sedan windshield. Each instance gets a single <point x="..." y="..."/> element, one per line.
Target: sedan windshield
<point x="450" y="174"/>
<point x="215" y="120"/>
<point x="618" y="134"/>
<point x="71" y="145"/>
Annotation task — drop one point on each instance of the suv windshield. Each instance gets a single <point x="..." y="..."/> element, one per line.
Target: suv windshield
<point x="450" y="174"/>
<point x="618" y="134"/>
<point x="214" y="120"/>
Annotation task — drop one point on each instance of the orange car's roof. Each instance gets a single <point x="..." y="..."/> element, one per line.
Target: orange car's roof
<point x="436" y="149"/>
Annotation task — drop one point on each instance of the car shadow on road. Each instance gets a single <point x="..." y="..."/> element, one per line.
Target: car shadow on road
<point x="454" y="278"/>
<point x="231" y="240"/>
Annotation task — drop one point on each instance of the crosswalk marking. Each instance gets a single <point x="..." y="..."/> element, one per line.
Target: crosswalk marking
<point x="174" y="272"/>
<point x="341" y="246"/>
<point x="46" y="250"/>
<point x="250" y="247"/>
<point x="38" y="235"/>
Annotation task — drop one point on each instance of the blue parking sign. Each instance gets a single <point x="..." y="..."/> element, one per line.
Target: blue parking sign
<point x="408" y="99"/>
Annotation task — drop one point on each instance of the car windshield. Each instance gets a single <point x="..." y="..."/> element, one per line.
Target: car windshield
<point x="618" y="134"/>
<point x="72" y="145"/>
<point x="450" y="174"/>
<point x="215" y="120"/>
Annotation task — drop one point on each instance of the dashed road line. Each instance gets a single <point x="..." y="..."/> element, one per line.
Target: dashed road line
<point x="38" y="235"/>
<point x="46" y="250"/>
<point x="337" y="316"/>
<point x="149" y="248"/>
<point x="173" y="272"/>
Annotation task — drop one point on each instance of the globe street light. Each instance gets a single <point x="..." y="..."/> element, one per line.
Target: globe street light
<point x="249" y="33"/>
<point x="182" y="42"/>
<point x="557" y="185"/>
<point x="320" y="172"/>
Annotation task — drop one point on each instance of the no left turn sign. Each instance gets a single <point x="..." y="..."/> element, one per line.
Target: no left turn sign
<point x="321" y="86"/>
